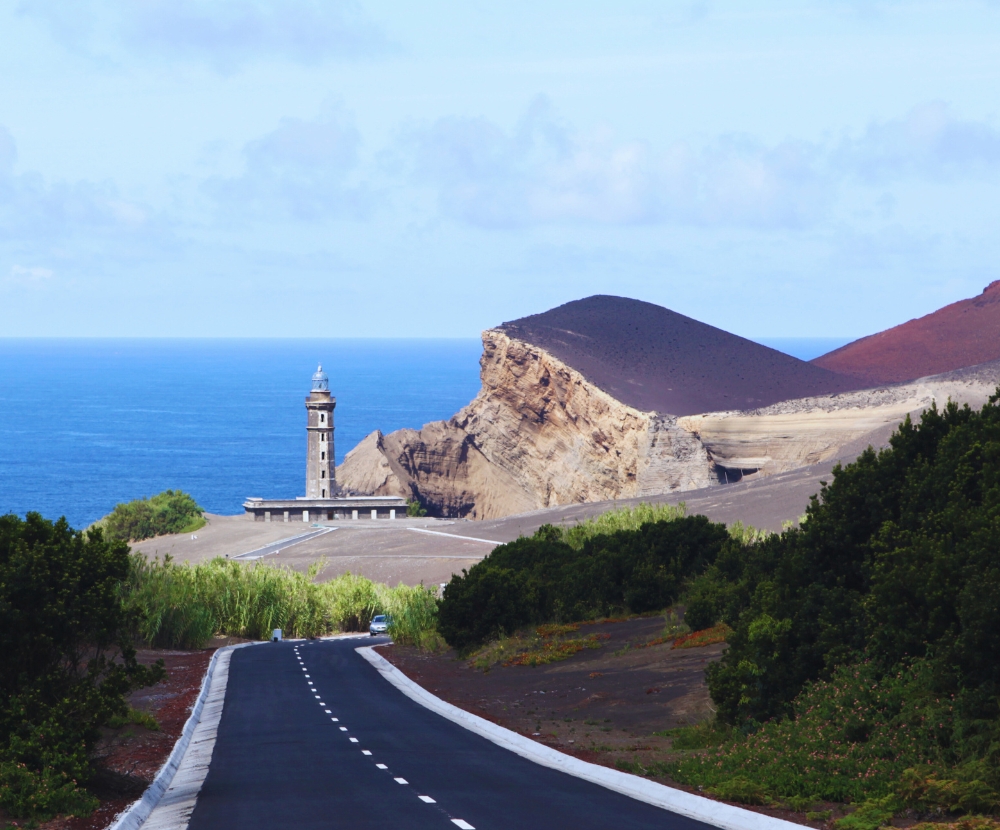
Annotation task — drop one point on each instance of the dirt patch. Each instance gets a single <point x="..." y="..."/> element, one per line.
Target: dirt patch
<point x="603" y="705"/>
<point x="128" y="758"/>
<point x="609" y="696"/>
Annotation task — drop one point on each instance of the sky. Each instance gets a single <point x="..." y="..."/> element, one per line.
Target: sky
<point x="316" y="168"/>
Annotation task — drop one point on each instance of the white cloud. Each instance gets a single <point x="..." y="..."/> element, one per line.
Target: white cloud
<point x="541" y="171"/>
<point x="37" y="212"/>
<point x="930" y="141"/>
<point x="223" y="33"/>
<point x="301" y="169"/>
<point x="32" y="275"/>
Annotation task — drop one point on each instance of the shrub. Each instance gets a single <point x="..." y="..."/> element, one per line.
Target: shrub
<point x="897" y="559"/>
<point x="852" y="738"/>
<point x="169" y="512"/>
<point x="543" y="579"/>
<point x="68" y="661"/>
<point x="414" y="508"/>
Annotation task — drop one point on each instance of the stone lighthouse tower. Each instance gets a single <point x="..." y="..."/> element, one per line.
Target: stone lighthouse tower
<point x="321" y="468"/>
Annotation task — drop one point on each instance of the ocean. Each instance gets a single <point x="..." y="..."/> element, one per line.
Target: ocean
<point x="85" y="424"/>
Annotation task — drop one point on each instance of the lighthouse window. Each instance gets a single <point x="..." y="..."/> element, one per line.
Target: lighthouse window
<point x="322" y="436"/>
<point x="323" y="474"/>
<point x="321" y="417"/>
<point x="322" y="456"/>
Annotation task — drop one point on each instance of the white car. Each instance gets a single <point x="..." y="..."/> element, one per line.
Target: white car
<point x="379" y="624"/>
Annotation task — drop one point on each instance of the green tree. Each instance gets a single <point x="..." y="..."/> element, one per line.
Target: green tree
<point x="67" y="660"/>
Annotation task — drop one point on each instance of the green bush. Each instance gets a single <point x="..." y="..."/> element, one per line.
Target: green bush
<point x="896" y="560"/>
<point x="861" y="735"/>
<point x="414" y="508"/>
<point x="67" y="660"/>
<point x="169" y="512"/>
<point x="543" y="579"/>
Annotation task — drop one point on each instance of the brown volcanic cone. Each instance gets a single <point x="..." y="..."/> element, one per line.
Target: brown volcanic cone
<point x="962" y="334"/>
<point x="658" y="360"/>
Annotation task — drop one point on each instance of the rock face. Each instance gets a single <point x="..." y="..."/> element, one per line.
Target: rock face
<point x="965" y="333"/>
<point x="537" y="435"/>
<point x="543" y="433"/>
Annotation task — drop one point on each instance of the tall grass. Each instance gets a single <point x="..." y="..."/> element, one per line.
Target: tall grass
<point x="624" y="518"/>
<point x="183" y="606"/>
<point x="632" y="518"/>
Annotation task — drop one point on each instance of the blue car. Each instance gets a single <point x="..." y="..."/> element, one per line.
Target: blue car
<point x="379" y="625"/>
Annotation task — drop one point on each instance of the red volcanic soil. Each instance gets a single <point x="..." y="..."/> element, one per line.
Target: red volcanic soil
<point x="962" y="334"/>
<point x="654" y="359"/>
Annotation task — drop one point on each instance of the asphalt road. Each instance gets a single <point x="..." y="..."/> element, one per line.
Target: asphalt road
<point x="312" y="737"/>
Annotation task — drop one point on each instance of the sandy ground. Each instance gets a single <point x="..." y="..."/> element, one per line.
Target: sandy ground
<point x="427" y="550"/>
<point x="385" y="550"/>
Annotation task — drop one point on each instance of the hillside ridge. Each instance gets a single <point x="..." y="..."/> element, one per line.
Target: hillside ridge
<point x="657" y="360"/>
<point x="964" y="333"/>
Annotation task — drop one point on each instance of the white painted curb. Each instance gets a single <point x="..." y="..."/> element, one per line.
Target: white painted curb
<point x="137" y="813"/>
<point x="676" y="801"/>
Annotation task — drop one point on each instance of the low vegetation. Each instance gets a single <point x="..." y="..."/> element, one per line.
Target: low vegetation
<point x="68" y="661"/>
<point x="169" y="512"/>
<point x="623" y="518"/>
<point x="183" y="606"/>
<point x="543" y="579"/>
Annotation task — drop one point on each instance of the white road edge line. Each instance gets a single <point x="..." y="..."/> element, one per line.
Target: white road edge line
<point x="455" y="536"/>
<point x="676" y="801"/>
<point x="281" y="544"/>
<point x="169" y="800"/>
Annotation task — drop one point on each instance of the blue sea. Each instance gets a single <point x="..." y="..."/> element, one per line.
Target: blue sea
<point x="85" y="424"/>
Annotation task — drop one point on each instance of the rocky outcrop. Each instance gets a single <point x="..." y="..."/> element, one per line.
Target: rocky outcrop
<point x="537" y="435"/>
<point x="806" y="431"/>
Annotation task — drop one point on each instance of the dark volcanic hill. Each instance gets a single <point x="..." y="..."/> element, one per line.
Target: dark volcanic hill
<point x="965" y="333"/>
<point x="651" y="358"/>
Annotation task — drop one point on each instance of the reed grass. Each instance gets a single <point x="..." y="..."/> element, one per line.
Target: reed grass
<point x="624" y="518"/>
<point x="184" y="606"/>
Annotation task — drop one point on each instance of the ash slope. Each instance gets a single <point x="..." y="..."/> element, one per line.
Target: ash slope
<point x="656" y="360"/>
<point x="966" y="333"/>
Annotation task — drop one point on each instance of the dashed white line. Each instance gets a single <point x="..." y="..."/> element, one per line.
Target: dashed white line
<point x="316" y="696"/>
<point x="426" y="799"/>
<point x="400" y="780"/>
<point x="327" y="711"/>
<point x="366" y="752"/>
<point x="343" y="729"/>
<point x="381" y="766"/>
<point x="354" y="740"/>
<point x="335" y="720"/>
<point x="462" y="823"/>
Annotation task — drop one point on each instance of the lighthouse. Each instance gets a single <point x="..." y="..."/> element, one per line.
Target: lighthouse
<point x="323" y="502"/>
<point x="321" y="469"/>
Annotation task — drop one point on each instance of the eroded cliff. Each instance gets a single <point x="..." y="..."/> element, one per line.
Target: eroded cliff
<point x="537" y="435"/>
